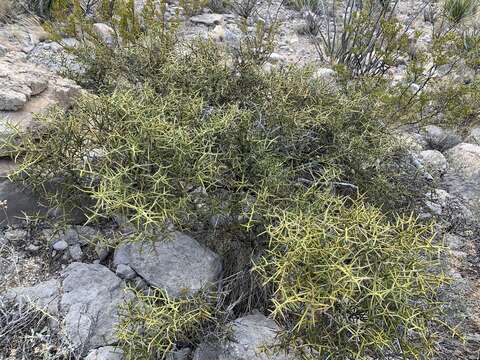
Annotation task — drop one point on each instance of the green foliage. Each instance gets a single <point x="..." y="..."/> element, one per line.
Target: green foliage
<point x="155" y="325"/>
<point x="365" y="37"/>
<point x="232" y="131"/>
<point x="349" y="283"/>
<point x="457" y="11"/>
<point x="302" y="5"/>
<point x="245" y="8"/>
<point x="174" y="133"/>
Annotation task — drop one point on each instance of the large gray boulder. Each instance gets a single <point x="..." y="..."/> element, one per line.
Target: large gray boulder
<point x="176" y="263"/>
<point x="253" y="338"/>
<point x="85" y="300"/>
<point x="90" y="300"/>
<point x="433" y="161"/>
<point x="463" y="176"/>
<point x="440" y="139"/>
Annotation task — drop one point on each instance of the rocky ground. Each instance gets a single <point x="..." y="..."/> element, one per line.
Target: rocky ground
<point x="81" y="285"/>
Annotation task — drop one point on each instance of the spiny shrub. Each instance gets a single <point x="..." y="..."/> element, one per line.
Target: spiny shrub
<point x="348" y="282"/>
<point x="215" y="137"/>
<point x="156" y="325"/>
<point x="176" y="133"/>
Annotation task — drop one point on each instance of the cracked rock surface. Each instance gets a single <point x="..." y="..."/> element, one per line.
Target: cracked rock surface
<point x="85" y="299"/>
<point x="178" y="264"/>
<point x="253" y="337"/>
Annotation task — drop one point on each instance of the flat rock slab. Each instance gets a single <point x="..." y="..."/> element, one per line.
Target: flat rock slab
<point x="28" y="89"/>
<point x="177" y="263"/>
<point x="86" y="299"/>
<point x="207" y="19"/>
<point x="17" y="202"/>
<point x="253" y="338"/>
<point x="105" y="353"/>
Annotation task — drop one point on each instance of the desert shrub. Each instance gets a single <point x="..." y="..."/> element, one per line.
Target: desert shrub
<point x="245" y="8"/>
<point x="148" y="155"/>
<point x="349" y="283"/>
<point x="155" y="325"/>
<point x="175" y="133"/>
<point x="365" y="37"/>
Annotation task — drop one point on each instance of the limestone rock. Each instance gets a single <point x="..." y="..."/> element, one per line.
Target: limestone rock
<point x="45" y="295"/>
<point x="434" y="161"/>
<point x="28" y="89"/>
<point x="105" y="353"/>
<point x="326" y="74"/>
<point x="253" y="338"/>
<point x="60" y="245"/>
<point x="105" y="33"/>
<point x="90" y="300"/>
<point x="464" y="171"/>
<point x="412" y="141"/>
<point x="207" y="19"/>
<point x="440" y="139"/>
<point x="85" y="299"/>
<point x="16" y="202"/>
<point x="177" y="263"/>
<point x="474" y="136"/>
<point x="125" y="272"/>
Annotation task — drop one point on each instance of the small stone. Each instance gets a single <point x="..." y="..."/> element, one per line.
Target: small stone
<point x="76" y="252"/>
<point x="412" y="141"/>
<point x="60" y="245"/>
<point x="474" y="136"/>
<point x="207" y="19"/>
<point x="275" y="58"/>
<point x="11" y="100"/>
<point x="105" y="353"/>
<point x="414" y="88"/>
<point x="434" y="161"/>
<point x="32" y="248"/>
<point x="125" y="272"/>
<point x="105" y="33"/>
<point x="16" y="235"/>
<point x="439" y="138"/>
<point x="325" y="74"/>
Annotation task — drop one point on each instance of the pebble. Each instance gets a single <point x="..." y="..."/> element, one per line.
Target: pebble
<point x="125" y="272"/>
<point x="75" y="252"/>
<point x="60" y="245"/>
